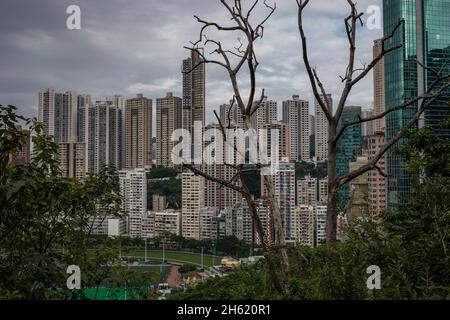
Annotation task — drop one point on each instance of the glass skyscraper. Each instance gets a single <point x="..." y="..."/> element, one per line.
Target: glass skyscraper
<point x="425" y="36"/>
<point x="349" y="147"/>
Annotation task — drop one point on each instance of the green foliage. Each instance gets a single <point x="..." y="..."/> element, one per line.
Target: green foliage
<point x="426" y="153"/>
<point x="410" y="245"/>
<point x="170" y="188"/>
<point x="411" y="249"/>
<point x="229" y="245"/>
<point x="161" y="172"/>
<point x="233" y="246"/>
<point x="246" y="283"/>
<point x="185" y="268"/>
<point x="46" y="220"/>
<point x="252" y="179"/>
<point x="302" y="169"/>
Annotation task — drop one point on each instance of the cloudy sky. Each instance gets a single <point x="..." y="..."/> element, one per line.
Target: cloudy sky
<point x="127" y="47"/>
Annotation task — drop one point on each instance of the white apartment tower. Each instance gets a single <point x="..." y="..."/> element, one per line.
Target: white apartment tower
<point x="284" y="183"/>
<point x="101" y="130"/>
<point x="192" y="201"/>
<point x="321" y="127"/>
<point x="265" y="114"/>
<point x="231" y="116"/>
<point x="323" y="191"/>
<point x="321" y="221"/>
<point x="59" y="114"/>
<point x="307" y="191"/>
<point x="133" y="187"/>
<point x="305" y="225"/>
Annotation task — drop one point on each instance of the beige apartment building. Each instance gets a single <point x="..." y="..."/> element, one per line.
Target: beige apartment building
<point x="168" y="119"/>
<point x="358" y="205"/>
<point x="71" y="158"/>
<point x="321" y="129"/>
<point x="296" y="116"/>
<point x="138" y="132"/>
<point x="377" y="182"/>
<point x="379" y="104"/>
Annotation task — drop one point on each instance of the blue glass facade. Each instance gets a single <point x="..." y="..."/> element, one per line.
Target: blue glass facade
<point x="349" y="147"/>
<point x="424" y="33"/>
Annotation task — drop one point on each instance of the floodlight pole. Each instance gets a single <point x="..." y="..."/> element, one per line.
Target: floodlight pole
<point x="145" y="240"/>
<point x="202" y="259"/>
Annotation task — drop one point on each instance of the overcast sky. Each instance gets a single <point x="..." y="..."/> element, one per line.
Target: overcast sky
<point x="127" y="47"/>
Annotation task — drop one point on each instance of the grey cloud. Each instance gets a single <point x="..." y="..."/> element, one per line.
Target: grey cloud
<point x="138" y="45"/>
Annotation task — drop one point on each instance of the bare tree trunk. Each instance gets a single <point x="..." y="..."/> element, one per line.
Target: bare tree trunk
<point x="264" y="242"/>
<point x="353" y="76"/>
<point x="331" y="224"/>
<point x="275" y="210"/>
<point x="278" y="224"/>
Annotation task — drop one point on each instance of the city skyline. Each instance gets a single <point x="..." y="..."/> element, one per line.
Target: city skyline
<point x="64" y="60"/>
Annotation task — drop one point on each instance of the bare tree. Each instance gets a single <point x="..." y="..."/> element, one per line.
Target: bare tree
<point x="242" y="59"/>
<point x="352" y="77"/>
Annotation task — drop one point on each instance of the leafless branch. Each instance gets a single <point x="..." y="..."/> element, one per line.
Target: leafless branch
<point x="320" y="100"/>
<point x="428" y="95"/>
<point x="372" y="163"/>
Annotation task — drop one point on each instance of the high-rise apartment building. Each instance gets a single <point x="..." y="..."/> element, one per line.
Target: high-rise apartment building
<point x="138" y="132"/>
<point x="109" y="226"/>
<point x="100" y="129"/>
<point x="296" y="116"/>
<point x="349" y="146"/>
<point x="359" y="187"/>
<point x="321" y="222"/>
<point x="133" y="187"/>
<point x="367" y="127"/>
<point x="71" y="158"/>
<point x="323" y="191"/>
<point x="284" y="185"/>
<point x="215" y="195"/>
<point x="65" y="112"/>
<point x="312" y="125"/>
<point x="238" y="222"/>
<point x="23" y="155"/>
<point x="208" y="222"/>
<point x="168" y="119"/>
<point x="266" y="218"/>
<point x="231" y="116"/>
<point x="377" y="182"/>
<point x="59" y="113"/>
<point x="193" y="200"/>
<point x="305" y="225"/>
<point x="159" y="203"/>
<point x="379" y="103"/>
<point x="120" y="102"/>
<point x="307" y="191"/>
<point x="277" y="140"/>
<point x="424" y="36"/>
<point x="265" y="114"/>
<point x="167" y="222"/>
<point x="193" y="92"/>
<point x="321" y="130"/>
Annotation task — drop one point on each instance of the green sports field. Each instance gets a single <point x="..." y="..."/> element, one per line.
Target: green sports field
<point x="176" y="257"/>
